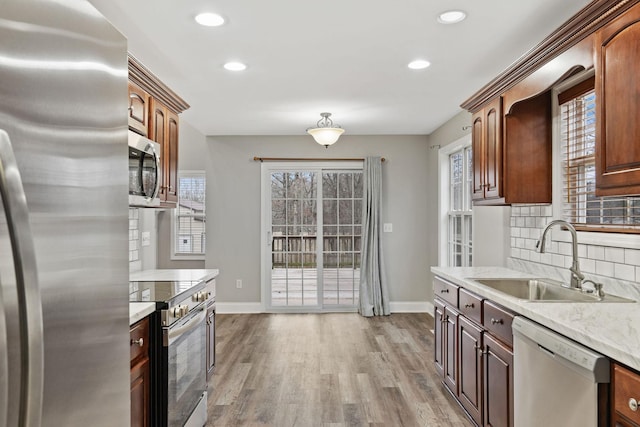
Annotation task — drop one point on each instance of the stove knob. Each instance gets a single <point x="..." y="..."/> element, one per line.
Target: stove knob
<point x="177" y="312"/>
<point x="184" y="310"/>
<point x="201" y="296"/>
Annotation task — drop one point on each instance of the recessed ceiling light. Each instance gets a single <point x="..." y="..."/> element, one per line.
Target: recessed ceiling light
<point x="209" y="19"/>
<point x="451" y="17"/>
<point x="419" y="64"/>
<point x="235" y="66"/>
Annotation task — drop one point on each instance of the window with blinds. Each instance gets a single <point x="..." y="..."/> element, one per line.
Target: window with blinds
<point x="581" y="206"/>
<point x="190" y="215"/>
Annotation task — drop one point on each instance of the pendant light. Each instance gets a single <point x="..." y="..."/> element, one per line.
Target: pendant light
<point x="325" y="133"/>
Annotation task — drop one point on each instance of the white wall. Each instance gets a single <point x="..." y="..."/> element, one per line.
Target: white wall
<point x="491" y="238"/>
<point x="233" y="207"/>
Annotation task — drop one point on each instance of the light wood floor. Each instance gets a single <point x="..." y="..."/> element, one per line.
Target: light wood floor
<point x="336" y="369"/>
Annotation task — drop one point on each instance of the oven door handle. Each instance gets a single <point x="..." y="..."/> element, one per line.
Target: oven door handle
<point x="174" y="333"/>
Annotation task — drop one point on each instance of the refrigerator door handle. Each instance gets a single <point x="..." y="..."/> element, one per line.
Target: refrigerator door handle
<point x="28" y="291"/>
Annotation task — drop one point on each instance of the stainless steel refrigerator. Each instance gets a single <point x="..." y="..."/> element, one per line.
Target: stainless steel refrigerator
<point x="64" y="343"/>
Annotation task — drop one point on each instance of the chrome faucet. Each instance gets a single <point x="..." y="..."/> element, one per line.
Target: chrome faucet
<point x="576" y="275"/>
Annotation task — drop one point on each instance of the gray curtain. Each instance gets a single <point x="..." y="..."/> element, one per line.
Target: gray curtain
<point x="374" y="296"/>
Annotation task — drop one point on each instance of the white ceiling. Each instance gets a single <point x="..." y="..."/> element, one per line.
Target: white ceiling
<point x="347" y="57"/>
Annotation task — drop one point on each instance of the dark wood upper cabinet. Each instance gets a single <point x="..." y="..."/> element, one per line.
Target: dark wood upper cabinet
<point x="605" y="34"/>
<point x="487" y="153"/>
<point x="153" y="112"/>
<point x="164" y="130"/>
<point x="617" y="51"/>
<point x="528" y="151"/>
<point x="477" y="144"/>
<point x="512" y="152"/>
<point x="171" y="156"/>
<point x="138" y="109"/>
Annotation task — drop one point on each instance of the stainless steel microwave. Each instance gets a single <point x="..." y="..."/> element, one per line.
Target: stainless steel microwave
<point x="144" y="171"/>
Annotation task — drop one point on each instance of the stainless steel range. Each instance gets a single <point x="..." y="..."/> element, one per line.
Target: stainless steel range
<point x="179" y="352"/>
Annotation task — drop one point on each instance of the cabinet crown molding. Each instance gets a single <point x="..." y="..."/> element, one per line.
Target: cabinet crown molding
<point x="149" y="82"/>
<point x="585" y="22"/>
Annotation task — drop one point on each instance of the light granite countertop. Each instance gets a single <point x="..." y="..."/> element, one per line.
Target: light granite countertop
<point x="610" y="328"/>
<point x="140" y="310"/>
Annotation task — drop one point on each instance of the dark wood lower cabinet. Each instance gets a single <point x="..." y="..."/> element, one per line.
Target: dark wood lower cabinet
<point x="140" y="394"/>
<point x="621" y="422"/>
<point x="451" y="349"/>
<point x="140" y="373"/>
<point x="470" y="372"/>
<point x="438" y="332"/>
<point x="474" y="354"/>
<point x="498" y="383"/>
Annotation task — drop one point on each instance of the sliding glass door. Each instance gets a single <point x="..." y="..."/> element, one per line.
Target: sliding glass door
<point x="312" y="229"/>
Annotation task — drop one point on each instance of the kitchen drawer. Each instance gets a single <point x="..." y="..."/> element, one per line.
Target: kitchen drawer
<point x="139" y="339"/>
<point x="470" y="305"/>
<point x="626" y="391"/>
<point x="497" y="321"/>
<point x="446" y="291"/>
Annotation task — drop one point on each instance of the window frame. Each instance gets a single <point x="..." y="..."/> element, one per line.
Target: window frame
<point x="177" y="256"/>
<point x="590" y="237"/>
<point x="445" y="197"/>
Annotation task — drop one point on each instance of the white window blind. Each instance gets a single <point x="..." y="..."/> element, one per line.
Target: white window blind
<point x="190" y="215"/>
<point x="581" y="206"/>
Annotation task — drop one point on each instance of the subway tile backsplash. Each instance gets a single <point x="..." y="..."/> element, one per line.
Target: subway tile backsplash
<point x="134" y="225"/>
<point x="617" y="268"/>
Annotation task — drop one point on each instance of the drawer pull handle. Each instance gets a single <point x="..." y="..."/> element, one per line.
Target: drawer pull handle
<point x="468" y="305"/>
<point x="633" y="404"/>
<point x="139" y="341"/>
<point x="496" y="321"/>
<point x="444" y="291"/>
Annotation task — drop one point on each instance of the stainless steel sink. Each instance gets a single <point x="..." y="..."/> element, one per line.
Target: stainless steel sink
<point x="544" y="290"/>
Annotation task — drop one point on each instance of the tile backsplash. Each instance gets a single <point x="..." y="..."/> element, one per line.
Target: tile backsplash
<point x="134" y="225"/>
<point x="616" y="267"/>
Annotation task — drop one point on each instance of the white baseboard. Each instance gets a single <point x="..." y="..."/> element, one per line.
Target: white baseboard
<point x="256" y="307"/>
<point x="239" y="307"/>
<point x="411" y="307"/>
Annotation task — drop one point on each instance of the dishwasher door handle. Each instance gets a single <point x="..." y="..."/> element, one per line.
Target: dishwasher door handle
<point x="546" y="350"/>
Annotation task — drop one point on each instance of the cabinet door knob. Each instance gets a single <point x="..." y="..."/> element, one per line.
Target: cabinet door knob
<point x="496" y="321"/>
<point x="468" y="305"/>
<point x="139" y="341"/>
<point x="444" y="291"/>
<point x="633" y="404"/>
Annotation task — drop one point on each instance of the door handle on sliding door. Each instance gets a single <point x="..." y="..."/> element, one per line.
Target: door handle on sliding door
<point x="29" y="302"/>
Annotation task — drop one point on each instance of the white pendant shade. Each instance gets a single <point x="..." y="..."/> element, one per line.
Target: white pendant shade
<point x="325" y="136"/>
<point x="325" y="133"/>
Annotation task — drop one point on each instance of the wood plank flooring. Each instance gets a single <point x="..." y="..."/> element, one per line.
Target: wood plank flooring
<point x="337" y="369"/>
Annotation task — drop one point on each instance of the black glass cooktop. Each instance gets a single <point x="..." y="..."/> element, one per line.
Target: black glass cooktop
<point x="161" y="291"/>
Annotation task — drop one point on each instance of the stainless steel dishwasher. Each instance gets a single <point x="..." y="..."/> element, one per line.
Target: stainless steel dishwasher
<point x="557" y="381"/>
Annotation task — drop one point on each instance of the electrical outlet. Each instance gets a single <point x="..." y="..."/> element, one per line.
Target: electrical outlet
<point x="239" y="283"/>
<point x="387" y="227"/>
<point x="146" y="238"/>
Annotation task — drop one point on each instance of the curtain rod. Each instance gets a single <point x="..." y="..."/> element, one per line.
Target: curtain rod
<point x="303" y="159"/>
